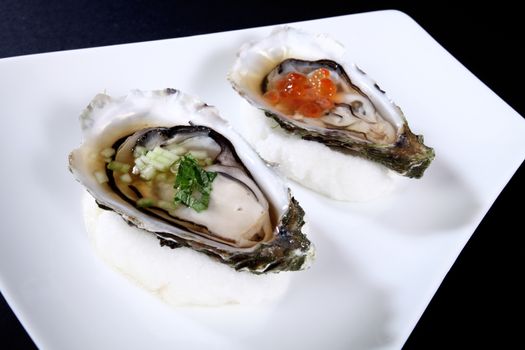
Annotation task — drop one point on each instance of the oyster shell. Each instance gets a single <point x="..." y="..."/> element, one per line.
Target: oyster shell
<point x="305" y="83"/>
<point x="131" y="155"/>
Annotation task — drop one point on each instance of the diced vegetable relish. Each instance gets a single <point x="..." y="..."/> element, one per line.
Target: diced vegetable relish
<point x="175" y="171"/>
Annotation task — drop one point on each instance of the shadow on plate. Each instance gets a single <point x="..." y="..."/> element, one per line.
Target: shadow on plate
<point x="439" y="202"/>
<point x="330" y="306"/>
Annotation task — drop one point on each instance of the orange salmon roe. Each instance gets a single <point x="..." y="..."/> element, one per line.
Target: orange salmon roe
<point x="310" y="95"/>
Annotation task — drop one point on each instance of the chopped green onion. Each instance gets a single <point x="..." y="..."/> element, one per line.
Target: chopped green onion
<point x="107" y="152"/>
<point x="139" y="151"/>
<point x="140" y="164"/>
<point x="161" y="159"/>
<point x="145" y="203"/>
<point x="126" y="178"/>
<point x="156" y="164"/>
<point x="149" y="163"/>
<point x="148" y="173"/>
<point x="118" y="166"/>
<point x="101" y="177"/>
<point x="165" y="153"/>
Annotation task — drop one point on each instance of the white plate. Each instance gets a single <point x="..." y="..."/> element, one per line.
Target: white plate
<point x="378" y="263"/>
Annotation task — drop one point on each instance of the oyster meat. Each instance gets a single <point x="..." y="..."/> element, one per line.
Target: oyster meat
<point x="169" y="164"/>
<point x="305" y="83"/>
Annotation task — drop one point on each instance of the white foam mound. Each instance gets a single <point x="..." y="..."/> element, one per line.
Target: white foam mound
<point x="312" y="164"/>
<point x="179" y="276"/>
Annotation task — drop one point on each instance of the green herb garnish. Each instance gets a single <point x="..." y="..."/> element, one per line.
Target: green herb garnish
<point x="193" y="184"/>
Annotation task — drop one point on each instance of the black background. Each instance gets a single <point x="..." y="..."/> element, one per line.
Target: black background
<point x="476" y="302"/>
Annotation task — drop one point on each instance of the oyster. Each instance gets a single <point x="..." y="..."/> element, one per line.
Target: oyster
<point x="135" y="159"/>
<point x="307" y="86"/>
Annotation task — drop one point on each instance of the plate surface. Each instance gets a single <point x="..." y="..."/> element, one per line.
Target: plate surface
<point x="378" y="263"/>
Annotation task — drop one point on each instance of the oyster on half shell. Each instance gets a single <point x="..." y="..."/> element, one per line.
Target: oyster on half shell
<point x="307" y="85"/>
<point x="132" y="154"/>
